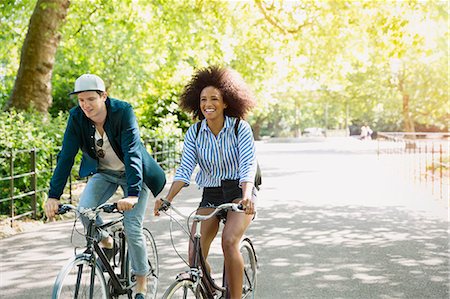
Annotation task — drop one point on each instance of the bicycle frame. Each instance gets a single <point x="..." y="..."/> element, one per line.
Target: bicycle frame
<point x="200" y="263"/>
<point x="198" y="268"/>
<point x="92" y="245"/>
<point x="121" y="283"/>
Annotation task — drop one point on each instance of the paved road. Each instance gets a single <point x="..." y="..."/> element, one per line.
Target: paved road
<point x="334" y="221"/>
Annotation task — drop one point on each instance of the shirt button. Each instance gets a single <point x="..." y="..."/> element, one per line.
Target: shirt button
<point x="92" y="136"/>
<point x="92" y="148"/>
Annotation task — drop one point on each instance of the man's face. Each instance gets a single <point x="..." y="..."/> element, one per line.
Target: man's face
<point x="92" y="103"/>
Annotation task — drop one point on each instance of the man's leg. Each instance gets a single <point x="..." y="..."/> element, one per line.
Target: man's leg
<point x="133" y="224"/>
<point x="98" y="190"/>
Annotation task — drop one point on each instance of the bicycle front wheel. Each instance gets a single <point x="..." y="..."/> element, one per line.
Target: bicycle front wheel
<point x="250" y="268"/>
<point x="152" y="257"/>
<point x="185" y="289"/>
<point x="80" y="278"/>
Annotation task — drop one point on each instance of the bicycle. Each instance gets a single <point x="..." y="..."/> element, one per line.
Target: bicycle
<point x="83" y="276"/>
<point x="197" y="281"/>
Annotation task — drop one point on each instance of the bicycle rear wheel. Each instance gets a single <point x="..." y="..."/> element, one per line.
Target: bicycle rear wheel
<point x="250" y="268"/>
<point x="152" y="256"/>
<point x="74" y="280"/>
<point x="185" y="289"/>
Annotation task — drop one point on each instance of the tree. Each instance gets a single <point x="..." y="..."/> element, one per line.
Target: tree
<point x="313" y="63"/>
<point x="32" y="88"/>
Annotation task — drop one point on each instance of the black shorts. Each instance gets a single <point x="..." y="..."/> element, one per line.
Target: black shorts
<point x="215" y="196"/>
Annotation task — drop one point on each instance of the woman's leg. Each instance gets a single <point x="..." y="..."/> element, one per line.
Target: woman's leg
<point x="235" y="227"/>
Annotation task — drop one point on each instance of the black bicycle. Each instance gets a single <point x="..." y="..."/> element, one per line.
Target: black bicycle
<point x="84" y="275"/>
<point x="197" y="281"/>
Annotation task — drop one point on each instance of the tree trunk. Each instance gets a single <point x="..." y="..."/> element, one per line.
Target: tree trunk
<point x="408" y="124"/>
<point x="256" y="128"/>
<point x="32" y="88"/>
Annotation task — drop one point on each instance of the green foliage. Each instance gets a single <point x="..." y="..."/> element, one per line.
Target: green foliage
<point x="14" y="19"/>
<point x="313" y="63"/>
<point x="163" y="142"/>
<point x="21" y="132"/>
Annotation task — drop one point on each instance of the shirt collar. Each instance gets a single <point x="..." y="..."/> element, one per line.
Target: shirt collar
<point x="229" y="122"/>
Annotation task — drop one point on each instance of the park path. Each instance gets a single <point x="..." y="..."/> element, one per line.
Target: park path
<point x="334" y="221"/>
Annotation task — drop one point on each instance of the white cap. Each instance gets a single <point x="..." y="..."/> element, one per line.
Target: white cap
<point x="88" y="82"/>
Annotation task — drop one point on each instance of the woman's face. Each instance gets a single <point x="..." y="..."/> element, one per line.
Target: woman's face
<point x="212" y="104"/>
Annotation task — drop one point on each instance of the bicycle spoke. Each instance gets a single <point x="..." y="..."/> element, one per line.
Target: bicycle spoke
<point x="79" y="280"/>
<point x="152" y="257"/>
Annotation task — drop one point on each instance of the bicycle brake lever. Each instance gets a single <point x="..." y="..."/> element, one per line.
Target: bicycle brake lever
<point x="165" y="205"/>
<point x="240" y="207"/>
<point x="62" y="209"/>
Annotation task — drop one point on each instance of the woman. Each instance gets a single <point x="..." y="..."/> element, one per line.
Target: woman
<point x="218" y="97"/>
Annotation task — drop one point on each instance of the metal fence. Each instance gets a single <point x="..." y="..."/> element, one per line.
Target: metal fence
<point x="166" y="152"/>
<point x="425" y="157"/>
<point x="32" y="174"/>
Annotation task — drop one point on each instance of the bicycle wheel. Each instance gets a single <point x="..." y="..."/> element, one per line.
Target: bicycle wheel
<point x="185" y="289"/>
<point x="250" y="268"/>
<point x="74" y="280"/>
<point x="152" y="256"/>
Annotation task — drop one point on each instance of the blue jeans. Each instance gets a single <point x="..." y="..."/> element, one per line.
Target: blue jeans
<point x="99" y="188"/>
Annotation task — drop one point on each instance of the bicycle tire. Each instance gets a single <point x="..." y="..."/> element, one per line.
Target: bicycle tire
<point x="185" y="289"/>
<point x="74" y="280"/>
<point x="250" y="269"/>
<point x="153" y="261"/>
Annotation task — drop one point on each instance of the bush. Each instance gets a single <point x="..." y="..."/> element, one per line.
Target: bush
<point x="21" y="133"/>
<point x="163" y="142"/>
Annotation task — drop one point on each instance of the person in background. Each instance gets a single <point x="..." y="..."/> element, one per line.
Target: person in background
<point x="218" y="97"/>
<point x="106" y="131"/>
<point x="366" y="132"/>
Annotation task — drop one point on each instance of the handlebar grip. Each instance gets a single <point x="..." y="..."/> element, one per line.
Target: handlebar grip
<point x="62" y="209"/>
<point x="110" y="208"/>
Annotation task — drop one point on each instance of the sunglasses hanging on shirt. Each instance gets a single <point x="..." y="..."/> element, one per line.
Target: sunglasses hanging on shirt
<point x="100" y="152"/>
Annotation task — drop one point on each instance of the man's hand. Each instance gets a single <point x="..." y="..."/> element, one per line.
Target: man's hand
<point x="50" y="208"/>
<point x="127" y="203"/>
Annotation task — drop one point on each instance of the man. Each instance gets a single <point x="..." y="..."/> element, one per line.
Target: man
<point x="106" y="131"/>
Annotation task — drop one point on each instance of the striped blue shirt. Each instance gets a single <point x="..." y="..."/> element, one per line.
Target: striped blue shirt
<point x="221" y="157"/>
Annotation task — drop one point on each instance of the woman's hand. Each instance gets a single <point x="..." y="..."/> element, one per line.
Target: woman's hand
<point x="247" y="200"/>
<point x="127" y="203"/>
<point x="158" y="204"/>
<point x="249" y="205"/>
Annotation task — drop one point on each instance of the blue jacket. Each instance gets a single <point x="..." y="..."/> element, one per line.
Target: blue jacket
<point x="123" y="133"/>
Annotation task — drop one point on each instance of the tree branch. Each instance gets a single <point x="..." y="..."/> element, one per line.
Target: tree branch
<point x="276" y="23"/>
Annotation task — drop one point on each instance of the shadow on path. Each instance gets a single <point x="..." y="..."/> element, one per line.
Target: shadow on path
<point x="351" y="252"/>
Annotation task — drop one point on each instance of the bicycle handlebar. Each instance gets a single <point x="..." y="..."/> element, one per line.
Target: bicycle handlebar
<point x="106" y="207"/>
<point x="223" y="207"/>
